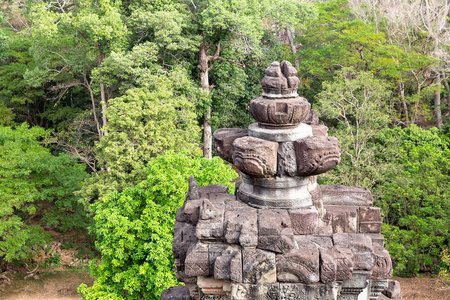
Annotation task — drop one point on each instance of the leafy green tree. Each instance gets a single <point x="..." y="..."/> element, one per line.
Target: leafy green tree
<point x="414" y="196"/>
<point x="34" y="184"/>
<point x="70" y="41"/>
<point x="421" y="27"/>
<point x="142" y="125"/>
<point x="357" y="102"/>
<point x="39" y="105"/>
<point x="339" y="39"/>
<point x="135" y="228"/>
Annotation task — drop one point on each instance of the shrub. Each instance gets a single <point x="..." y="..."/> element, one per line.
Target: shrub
<point x="36" y="184"/>
<point x="135" y="228"/>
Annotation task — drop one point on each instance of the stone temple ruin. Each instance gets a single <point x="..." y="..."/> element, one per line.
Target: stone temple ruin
<point x="281" y="236"/>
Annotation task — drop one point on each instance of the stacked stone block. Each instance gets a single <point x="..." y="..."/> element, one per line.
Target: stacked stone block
<point x="281" y="236"/>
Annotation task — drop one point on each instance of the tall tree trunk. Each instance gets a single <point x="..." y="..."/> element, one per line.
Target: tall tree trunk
<point x="416" y="105"/>
<point x="103" y="103"/>
<point x="401" y="88"/>
<point x="100" y="58"/>
<point x="204" y="81"/>
<point x="290" y="33"/>
<point x="437" y="103"/>
<point x="447" y="89"/>
<point x="87" y="84"/>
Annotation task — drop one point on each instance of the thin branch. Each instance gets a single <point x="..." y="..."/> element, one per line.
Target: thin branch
<point x="231" y="61"/>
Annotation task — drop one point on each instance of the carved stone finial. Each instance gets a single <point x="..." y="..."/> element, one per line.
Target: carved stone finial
<point x="280" y="81"/>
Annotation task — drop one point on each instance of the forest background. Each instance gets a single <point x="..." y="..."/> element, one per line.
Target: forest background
<point x="107" y="107"/>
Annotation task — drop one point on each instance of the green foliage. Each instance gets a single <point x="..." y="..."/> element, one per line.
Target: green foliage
<point x="34" y="182"/>
<point x="135" y="228"/>
<point x="73" y="41"/>
<point x="338" y="39"/>
<point x="141" y="125"/>
<point x="415" y="198"/>
<point x="356" y="101"/>
<point x="444" y="272"/>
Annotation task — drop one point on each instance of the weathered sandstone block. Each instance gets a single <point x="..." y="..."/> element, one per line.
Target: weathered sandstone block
<point x="335" y="264"/>
<point x="183" y="238"/>
<point x="344" y="263"/>
<point x="228" y="265"/>
<point x="299" y="265"/>
<point x="180" y="292"/>
<point x="221" y="197"/>
<point x="369" y="220"/>
<point x="343" y="219"/>
<point x="383" y="263"/>
<point x="223" y="141"/>
<point x="255" y="156"/>
<point x="287" y="164"/>
<point x="241" y="224"/>
<point x="258" y="266"/>
<point x="210" y="224"/>
<point x="192" y="193"/>
<point x="393" y="289"/>
<point x="192" y="210"/>
<point x="361" y="246"/>
<point x="204" y="191"/>
<point x="305" y="220"/>
<point x="377" y="238"/>
<point x="327" y="265"/>
<point x="319" y="130"/>
<point x="312" y="118"/>
<point x="318" y="241"/>
<point x="197" y="260"/>
<point x="346" y="195"/>
<point x="215" y="250"/>
<point x="255" y="292"/>
<point x="181" y="216"/>
<point x="316" y="155"/>
<point x="275" y="230"/>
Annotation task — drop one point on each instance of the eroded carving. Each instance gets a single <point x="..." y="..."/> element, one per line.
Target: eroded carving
<point x="299" y="265"/>
<point x="255" y="156"/>
<point x="279" y="112"/>
<point x="258" y="266"/>
<point x="316" y="155"/>
<point x="223" y="141"/>
<point x="280" y="80"/>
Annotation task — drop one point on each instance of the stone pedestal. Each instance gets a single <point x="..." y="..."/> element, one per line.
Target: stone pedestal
<point x="275" y="192"/>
